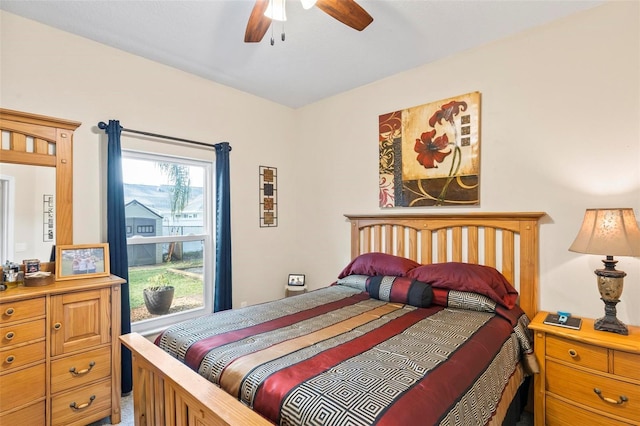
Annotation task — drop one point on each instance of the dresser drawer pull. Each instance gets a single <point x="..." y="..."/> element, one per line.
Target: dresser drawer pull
<point x="73" y="371"/>
<point x="10" y="335"/>
<point x="57" y="326"/>
<point x="10" y="359"/>
<point x="573" y="353"/>
<point x="82" y="406"/>
<point x="621" y="399"/>
<point x="9" y="312"/>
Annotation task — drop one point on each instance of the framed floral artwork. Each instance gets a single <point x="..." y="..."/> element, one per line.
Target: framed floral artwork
<point x="430" y="154"/>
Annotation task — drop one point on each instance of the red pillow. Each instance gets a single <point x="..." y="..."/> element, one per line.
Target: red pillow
<point x="378" y="264"/>
<point x="469" y="277"/>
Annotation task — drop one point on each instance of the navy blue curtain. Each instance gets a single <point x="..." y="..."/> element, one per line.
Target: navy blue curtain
<point x="117" y="236"/>
<point x="222" y="296"/>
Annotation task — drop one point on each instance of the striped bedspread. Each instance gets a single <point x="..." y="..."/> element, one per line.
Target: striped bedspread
<point x="335" y="356"/>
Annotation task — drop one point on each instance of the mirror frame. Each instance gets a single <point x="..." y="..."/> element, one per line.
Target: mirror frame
<point x="52" y="147"/>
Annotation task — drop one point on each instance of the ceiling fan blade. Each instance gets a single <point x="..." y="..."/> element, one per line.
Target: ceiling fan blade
<point x="258" y="23"/>
<point x="346" y="11"/>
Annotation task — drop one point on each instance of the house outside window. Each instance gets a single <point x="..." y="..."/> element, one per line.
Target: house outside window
<point x="169" y="238"/>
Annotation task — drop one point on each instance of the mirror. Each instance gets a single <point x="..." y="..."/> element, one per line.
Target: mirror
<point x="30" y="140"/>
<point x="28" y="204"/>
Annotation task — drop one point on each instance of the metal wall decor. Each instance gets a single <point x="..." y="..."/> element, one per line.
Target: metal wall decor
<point x="48" y="217"/>
<point x="268" y="196"/>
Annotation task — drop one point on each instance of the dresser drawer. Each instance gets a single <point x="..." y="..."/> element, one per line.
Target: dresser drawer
<point x="578" y="386"/>
<point x="12" y="358"/>
<point x="21" y="387"/>
<point x="21" y="310"/>
<point x="559" y="413"/>
<point x="31" y="415"/>
<point x="81" y="405"/>
<point x="14" y="334"/>
<point x="78" y="370"/>
<point x="626" y="364"/>
<point x="577" y="353"/>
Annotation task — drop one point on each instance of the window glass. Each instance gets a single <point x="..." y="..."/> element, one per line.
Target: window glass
<point x="169" y="245"/>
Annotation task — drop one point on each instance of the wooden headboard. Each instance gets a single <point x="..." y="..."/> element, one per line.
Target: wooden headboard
<point x="505" y="241"/>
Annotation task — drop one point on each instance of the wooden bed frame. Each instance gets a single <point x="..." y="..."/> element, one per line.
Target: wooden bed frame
<point x="167" y="392"/>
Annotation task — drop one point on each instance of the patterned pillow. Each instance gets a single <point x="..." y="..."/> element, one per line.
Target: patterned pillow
<point x="358" y="282"/>
<point x="400" y="290"/>
<point x="463" y="300"/>
<point x="378" y="264"/>
<point x="469" y="277"/>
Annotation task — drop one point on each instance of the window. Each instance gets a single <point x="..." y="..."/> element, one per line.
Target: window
<point x="169" y="219"/>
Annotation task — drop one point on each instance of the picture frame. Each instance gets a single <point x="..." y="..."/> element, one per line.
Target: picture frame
<point x="82" y="261"/>
<point x="296" y="280"/>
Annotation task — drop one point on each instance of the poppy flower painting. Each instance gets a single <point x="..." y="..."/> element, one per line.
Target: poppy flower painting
<point x="430" y="154"/>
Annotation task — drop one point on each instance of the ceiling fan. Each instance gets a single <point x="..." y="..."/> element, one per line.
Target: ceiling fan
<point x="264" y="11"/>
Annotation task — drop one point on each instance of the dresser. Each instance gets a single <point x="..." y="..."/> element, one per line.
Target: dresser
<point x="59" y="352"/>
<point x="586" y="376"/>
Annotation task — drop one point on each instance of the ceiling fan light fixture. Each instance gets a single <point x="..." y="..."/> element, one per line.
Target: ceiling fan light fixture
<point x="276" y="10"/>
<point x="308" y="4"/>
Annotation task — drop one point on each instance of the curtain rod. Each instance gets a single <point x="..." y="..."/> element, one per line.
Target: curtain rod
<point x="155" y="135"/>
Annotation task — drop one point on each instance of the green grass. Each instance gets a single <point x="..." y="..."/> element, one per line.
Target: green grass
<point x="184" y="285"/>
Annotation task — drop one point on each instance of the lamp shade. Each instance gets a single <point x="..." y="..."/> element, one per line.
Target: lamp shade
<point x="610" y="232"/>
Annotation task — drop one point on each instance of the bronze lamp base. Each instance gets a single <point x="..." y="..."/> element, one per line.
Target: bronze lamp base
<point x="610" y="283"/>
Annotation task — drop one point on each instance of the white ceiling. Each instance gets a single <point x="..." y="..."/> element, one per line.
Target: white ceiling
<point x="320" y="57"/>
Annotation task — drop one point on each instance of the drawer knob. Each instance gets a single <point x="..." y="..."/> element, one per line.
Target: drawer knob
<point x="10" y="335"/>
<point x="76" y="407"/>
<point x="57" y="326"/>
<point x="573" y="353"/>
<point x="9" y="312"/>
<point x="73" y="371"/>
<point x="621" y="399"/>
<point x="10" y="359"/>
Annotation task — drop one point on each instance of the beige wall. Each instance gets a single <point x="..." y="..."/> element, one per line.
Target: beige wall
<point x="560" y="133"/>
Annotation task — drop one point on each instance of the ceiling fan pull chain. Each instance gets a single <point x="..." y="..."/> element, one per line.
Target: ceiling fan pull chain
<point x="272" y="39"/>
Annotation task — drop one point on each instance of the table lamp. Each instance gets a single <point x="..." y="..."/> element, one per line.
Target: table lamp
<point x="609" y="232"/>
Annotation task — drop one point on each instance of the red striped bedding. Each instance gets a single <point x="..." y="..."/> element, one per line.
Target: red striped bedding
<point x="337" y="356"/>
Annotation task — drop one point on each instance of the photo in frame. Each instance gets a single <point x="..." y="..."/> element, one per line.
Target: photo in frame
<point x="82" y="261"/>
<point x="296" y="280"/>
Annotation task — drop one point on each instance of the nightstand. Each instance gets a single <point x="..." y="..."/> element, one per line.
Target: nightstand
<point x="586" y="376"/>
<point x="293" y="290"/>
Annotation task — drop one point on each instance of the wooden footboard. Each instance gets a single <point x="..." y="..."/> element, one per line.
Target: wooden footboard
<point x="167" y="392"/>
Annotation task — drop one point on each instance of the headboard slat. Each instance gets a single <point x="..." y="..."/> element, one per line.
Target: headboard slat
<point x="472" y="244"/>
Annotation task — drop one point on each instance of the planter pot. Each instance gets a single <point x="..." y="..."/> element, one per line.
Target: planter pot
<point x="158" y="300"/>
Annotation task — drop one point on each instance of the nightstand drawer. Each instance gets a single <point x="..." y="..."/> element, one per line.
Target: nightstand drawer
<point x="81" y="404"/>
<point x="626" y="364"/>
<point x="21" y="333"/>
<point x="561" y="414"/>
<point x="80" y="369"/>
<point x="578" y="386"/>
<point x="577" y="353"/>
<point x="13" y="358"/>
<point x="21" y="310"/>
